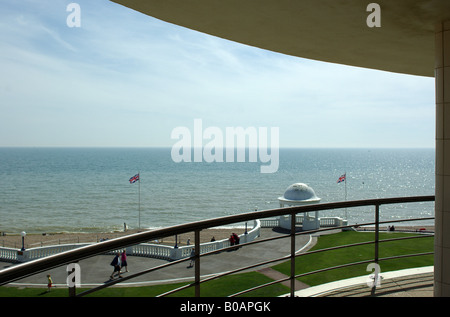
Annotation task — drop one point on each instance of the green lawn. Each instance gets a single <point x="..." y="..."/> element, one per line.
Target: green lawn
<point x="321" y="260"/>
<point x="221" y="287"/>
<point x="234" y="283"/>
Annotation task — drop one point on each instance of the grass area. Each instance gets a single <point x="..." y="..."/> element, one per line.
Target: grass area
<point x="234" y="283"/>
<point x="221" y="287"/>
<point x="312" y="262"/>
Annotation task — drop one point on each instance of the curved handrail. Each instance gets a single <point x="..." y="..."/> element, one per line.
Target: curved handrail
<point x="30" y="268"/>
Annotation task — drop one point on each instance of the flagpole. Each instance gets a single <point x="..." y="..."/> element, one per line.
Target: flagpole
<point x="345" y="186"/>
<point x="346" y="218"/>
<point x="139" y="199"/>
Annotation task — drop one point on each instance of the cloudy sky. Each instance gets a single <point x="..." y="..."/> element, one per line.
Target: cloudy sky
<point x="123" y="79"/>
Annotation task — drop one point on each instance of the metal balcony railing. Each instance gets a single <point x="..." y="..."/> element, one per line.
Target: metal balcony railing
<point x="40" y="265"/>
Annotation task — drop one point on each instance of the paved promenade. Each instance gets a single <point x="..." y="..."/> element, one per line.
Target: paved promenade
<point x="97" y="270"/>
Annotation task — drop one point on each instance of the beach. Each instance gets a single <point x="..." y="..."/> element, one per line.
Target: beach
<point x="45" y="239"/>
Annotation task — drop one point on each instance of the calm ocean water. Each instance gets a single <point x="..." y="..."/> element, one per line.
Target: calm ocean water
<point x="87" y="190"/>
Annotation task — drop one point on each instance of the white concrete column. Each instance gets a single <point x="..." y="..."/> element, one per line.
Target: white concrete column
<point x="442" y="204"/>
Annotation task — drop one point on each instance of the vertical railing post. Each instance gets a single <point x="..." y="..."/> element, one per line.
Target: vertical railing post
<point x="377" y="231"/>
<point x="72" y="290"/>
<point x="197" y="263"/>
<point x="376" y="255"/>
<point x="293" y="220"/>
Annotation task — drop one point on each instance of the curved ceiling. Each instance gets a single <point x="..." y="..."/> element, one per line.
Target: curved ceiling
<point x="333" y="31"/>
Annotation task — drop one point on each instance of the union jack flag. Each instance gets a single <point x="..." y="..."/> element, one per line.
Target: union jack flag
<point x="341" y="179"/>
<point x="134" y="179"/>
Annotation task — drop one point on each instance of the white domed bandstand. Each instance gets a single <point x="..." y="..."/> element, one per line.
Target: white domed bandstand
<point x="299" y="194"/>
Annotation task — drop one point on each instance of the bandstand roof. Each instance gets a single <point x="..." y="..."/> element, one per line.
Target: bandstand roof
<point x="299" y="193"/>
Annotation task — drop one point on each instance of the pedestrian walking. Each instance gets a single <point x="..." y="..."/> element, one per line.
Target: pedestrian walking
<point x="123" y="259"/>
<point x="191" y="264"/>
<point x="49" y="282"/>
<point x="116" y="264"/>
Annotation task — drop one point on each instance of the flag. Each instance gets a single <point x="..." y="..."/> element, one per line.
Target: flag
<point x="134" y="179"/>
<point x="341" y="179"/>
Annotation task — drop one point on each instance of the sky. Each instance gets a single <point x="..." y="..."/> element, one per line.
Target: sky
<point x="124" y="79"/>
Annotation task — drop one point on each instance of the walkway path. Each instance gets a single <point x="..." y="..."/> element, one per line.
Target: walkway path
<point x="275" y="275"/>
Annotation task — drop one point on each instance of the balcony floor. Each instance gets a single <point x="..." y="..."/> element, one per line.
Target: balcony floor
<point x="404" y="283"/>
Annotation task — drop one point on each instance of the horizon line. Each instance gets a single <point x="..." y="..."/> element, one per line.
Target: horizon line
<point x="169" y="147"/>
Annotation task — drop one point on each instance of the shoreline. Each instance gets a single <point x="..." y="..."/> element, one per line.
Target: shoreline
<point x="34" y="240"/>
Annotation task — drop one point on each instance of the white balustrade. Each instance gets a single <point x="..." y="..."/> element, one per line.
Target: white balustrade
<point x="8" y="254"/>
<point x="154" y="250"/>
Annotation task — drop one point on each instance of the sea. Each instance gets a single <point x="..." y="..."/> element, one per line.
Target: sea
<point x="49" y="190"/>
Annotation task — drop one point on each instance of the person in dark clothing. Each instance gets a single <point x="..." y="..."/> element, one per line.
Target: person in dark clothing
<point x="236" y="238"/>
<point x="231" y="240"/>
<point x="116" y="264"/>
